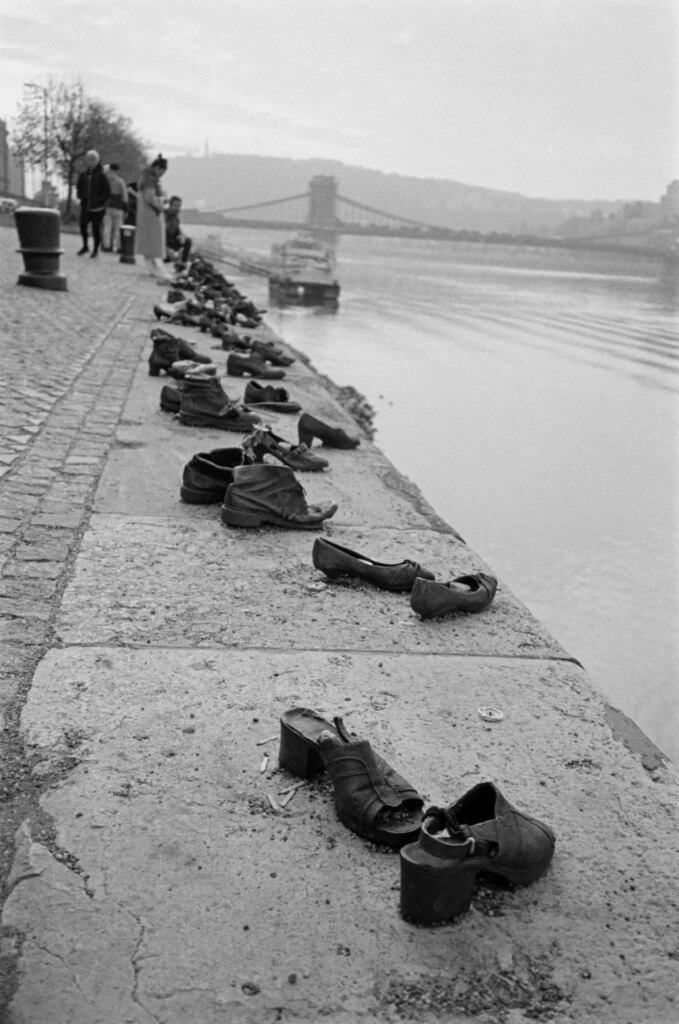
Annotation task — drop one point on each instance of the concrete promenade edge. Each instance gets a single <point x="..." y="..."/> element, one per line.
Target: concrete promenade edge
<point x="149" y="870"/>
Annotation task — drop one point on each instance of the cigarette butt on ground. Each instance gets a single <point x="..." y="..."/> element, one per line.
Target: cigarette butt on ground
<point x="265" y="761"/>
<point x="272" y="801"/>
<point x="269" y="739"/>
<point x="290" y="789"/>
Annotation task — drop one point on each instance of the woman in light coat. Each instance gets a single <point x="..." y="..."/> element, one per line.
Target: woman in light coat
<point x="150" y="234"/>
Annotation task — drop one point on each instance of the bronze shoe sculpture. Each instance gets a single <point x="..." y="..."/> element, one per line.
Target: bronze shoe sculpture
<point x="204" y="403"/>
<point x="262" y="495"/>
<point x="371" y="799"/>
<point x="297" y="456"/>
<point x="482" y="832"/>
<point x="334" y="560"/>
<point x="207" y="474"/>
<point x="239" y="365"/>
<point x="269" y="397"/>
<point x="471" y="593"/>
<point x="309" y="427"/>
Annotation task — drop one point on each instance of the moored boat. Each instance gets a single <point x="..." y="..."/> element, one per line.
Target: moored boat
<point x="303" y="272"/>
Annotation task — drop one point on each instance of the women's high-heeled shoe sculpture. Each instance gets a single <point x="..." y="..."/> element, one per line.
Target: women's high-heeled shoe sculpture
<point x="309" y="427"/>
<point x="371" y="799"/>
<point x="334" y="560"/>
<point x="264" y="442"/>
<point x="482" y="832"/>
<point x="470" y="593"/>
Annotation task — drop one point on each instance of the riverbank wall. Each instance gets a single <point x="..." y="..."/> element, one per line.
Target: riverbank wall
<point x="155" y="874"/>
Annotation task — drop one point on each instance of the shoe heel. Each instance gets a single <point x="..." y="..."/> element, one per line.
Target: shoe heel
<point x="434" y="890"/>
<point x="154" y="371"/>
<point x="297" y="756"/>
<point x="235" y="371"/>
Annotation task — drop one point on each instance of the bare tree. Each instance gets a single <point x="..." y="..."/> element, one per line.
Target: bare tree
<point x="57" y="124"/>
<point x="32" y="136"/>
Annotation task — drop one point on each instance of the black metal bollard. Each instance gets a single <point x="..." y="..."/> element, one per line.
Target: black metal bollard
<point x="39" y="237"/>
<point x="127" y="233"/>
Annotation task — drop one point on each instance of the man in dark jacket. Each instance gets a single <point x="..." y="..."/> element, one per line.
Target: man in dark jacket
<point x="178" y="244"/>
<point x="93" y="191"/>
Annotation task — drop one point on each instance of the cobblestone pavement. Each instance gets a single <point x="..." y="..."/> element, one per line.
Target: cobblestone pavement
<point x="67" y="362"/>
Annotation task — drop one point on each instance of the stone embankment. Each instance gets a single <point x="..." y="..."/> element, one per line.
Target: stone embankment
<point x="150" y="872"/>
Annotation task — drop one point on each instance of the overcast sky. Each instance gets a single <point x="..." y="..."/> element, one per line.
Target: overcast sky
<point x="555" y="98"/>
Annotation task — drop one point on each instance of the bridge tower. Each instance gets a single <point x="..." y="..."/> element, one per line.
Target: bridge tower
<point x="322" y="217"/>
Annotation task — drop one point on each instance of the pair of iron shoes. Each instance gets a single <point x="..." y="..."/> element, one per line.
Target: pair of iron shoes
<point x="442" y="850"/>
<point x="469" y="593"/>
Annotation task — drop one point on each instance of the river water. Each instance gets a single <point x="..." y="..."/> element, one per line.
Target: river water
<point x="536" y="406"/>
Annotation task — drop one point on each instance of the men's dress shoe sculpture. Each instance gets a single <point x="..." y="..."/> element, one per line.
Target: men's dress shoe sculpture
<point x="470" y="593"/>
<point x="335" y="560"/>
<point x="274" y="355"/>
<point x="238" y="365"/>
<point x="371" y="799"/>
<point x="482" y="832"/>
<point x="263" y="495"/>
<point x="269" y="397"/>
<point x="309" y="427"/>
<point x="204" y="403"/>
<point x="230" y="338"/>
<point x="207" y="474"/>
<point x="298" y="457"/>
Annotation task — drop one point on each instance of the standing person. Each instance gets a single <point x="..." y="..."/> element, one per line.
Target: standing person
<point x="175" y="239"/>
<point x="115" y="209"/>
<point x="150" y="236"/>
<point x="93" y="190"/>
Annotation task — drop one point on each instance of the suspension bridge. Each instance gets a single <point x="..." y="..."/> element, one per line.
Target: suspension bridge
<point x="324" y="212"/>
<point x="327" y="214"/>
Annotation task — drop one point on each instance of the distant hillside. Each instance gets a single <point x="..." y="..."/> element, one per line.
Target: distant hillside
<point x="220" y="181"/>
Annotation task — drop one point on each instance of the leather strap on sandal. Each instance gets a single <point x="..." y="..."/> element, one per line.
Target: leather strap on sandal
<point x="365" y="785"/>
<point x="443" y="818"/>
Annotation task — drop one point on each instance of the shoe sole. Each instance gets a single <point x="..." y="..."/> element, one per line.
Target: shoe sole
<point x="308" y="440"/>
<point x="234" y="517"/>
<point x="193" y="497"/>
<point x="217" y="422"/>
<point x="276" y="406"/>
<point x="254" y="373"/>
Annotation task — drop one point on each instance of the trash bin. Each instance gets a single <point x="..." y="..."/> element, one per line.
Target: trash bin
<point x="39" y="236"/>
<point x="127" y="233"/>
